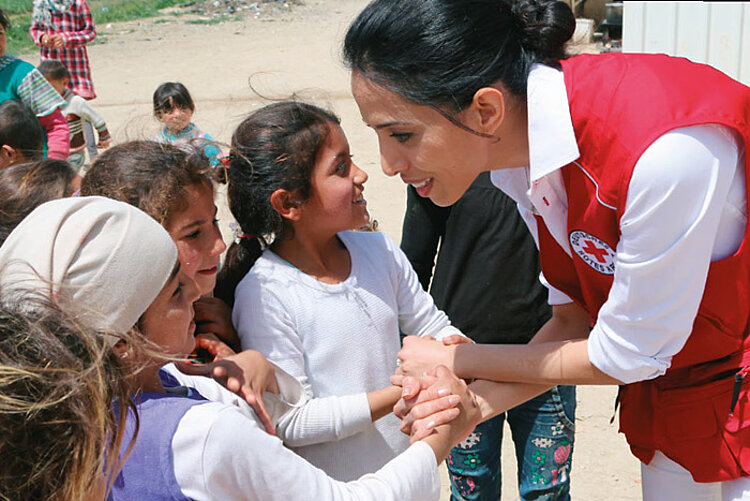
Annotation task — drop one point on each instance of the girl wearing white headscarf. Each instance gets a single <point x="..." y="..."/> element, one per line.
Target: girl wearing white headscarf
<point x="115" y="266"/>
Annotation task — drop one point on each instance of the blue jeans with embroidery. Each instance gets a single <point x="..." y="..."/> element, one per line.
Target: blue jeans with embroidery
<point x="542" y="429"/>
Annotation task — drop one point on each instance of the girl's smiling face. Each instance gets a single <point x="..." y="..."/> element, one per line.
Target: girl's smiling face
<point x="337" y="202"/>
<point x="428" y="151"/>
<point x="196" y="232"/>
<point x="168" y="321"/>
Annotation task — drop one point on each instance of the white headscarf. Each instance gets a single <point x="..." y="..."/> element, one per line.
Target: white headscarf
<point x="103" y="260"/>
<point x="42" y="12"/>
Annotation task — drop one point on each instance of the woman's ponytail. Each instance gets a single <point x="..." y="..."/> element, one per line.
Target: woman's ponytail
<point x="546" y="26"/>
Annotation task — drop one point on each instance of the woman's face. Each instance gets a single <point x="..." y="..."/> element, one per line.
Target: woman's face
<point x="437" y="157"/>
<point x="196" y="232"/>
<point x="168" y="321"/>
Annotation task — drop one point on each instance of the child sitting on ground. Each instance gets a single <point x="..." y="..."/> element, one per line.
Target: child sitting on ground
<point x="174" y="107"/>
<point x="76" y="110"/>
<point x="21" y="134"/>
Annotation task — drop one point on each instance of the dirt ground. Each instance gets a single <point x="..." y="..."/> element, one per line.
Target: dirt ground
<point x="297" y="51"/>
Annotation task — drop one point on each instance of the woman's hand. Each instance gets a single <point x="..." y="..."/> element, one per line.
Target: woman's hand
<point x="434" y="400"/>
<point x="421" y="355"/>
<point x="248" y="374"/>
<point x="215" y="316"/>
<point x="444" y="421"/>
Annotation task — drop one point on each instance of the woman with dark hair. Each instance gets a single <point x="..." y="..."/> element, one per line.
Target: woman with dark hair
<point x="630" y="171"/>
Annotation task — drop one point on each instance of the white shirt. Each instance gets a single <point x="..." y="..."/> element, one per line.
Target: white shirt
<point x="220" y="454"/>
<point x="686" y="207"/>
<point x="340" y="341"/>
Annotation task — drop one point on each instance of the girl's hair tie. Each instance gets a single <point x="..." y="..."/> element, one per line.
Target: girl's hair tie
<point x="225" y="161"/>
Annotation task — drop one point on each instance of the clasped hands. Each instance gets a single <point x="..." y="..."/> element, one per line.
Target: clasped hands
<point x="432" y="395"/>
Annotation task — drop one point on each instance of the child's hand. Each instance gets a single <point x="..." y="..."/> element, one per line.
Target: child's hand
<point x="54" y="41"/>
<point x="456" y="339"/>
<point x="104" y="143"/>
<point x="248" y="374"/>
<point x="213" y="345"/>
<point x="215" y="316"/>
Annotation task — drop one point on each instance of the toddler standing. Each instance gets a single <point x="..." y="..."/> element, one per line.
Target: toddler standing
<point x="76" y="110"/>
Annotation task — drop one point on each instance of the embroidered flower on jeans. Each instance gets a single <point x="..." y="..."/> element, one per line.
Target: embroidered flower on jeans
<point x="543" y="442"/>
<point x="539" y="458"/>
<point x="472" y="461"/>
<point x="470" y="441"/>
<point x="558" y="429"/>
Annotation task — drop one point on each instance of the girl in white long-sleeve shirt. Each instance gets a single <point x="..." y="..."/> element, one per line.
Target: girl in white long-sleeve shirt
<point x="186" y="447"/>
<point x="323" y="303"/>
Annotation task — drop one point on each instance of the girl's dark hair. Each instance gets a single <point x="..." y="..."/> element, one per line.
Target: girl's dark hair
<point x="4" y="21"/>
<point x="274" y="148"/>
<point x="52" y="69"/>
<point x="21" y="130"/>
<point x="59" y="383"/>
<point x="440" y="52"/>
<point x="25" y="187"/>
<point x="171" y="95"/>
<point x="151" y="176"/>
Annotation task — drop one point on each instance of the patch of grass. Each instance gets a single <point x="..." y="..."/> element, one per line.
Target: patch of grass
<point x="213" y="20"/>
<point x="103" y="11"/>
<point x="17" y="6"/>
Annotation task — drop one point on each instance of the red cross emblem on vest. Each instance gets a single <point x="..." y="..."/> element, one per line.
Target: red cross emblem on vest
<point x="594" y="251"/>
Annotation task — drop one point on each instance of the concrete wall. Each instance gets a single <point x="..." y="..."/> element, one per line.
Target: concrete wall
<point x="713" y="33"/>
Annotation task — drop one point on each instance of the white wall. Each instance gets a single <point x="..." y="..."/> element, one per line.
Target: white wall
<point x="717" y="33"/>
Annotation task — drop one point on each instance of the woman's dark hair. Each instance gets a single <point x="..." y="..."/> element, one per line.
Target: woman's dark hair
<point x="4" y="21"/>
<point x="21" y="130"/>
<point x="25" y="187"/>
<point x="440" y="52"/>
<point x="59" y="382"/>
<point x="52" y="69"/>
<point x="274" y="148"/>
<point x="171" y="95"/>
<point x="151" y="176"/>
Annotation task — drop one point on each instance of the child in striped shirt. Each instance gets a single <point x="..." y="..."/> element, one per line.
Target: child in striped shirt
<point x="75" y="110"/>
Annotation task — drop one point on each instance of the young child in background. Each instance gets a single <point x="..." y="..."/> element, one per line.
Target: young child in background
<point x="25" y="187"/>
<point x="174" y="107"/>
<point x="76" y="110"/>
<point x="21" y="134"/>
<point x="323" y="303"/>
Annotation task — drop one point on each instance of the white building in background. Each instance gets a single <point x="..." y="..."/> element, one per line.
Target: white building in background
<point x="717" y="33"/>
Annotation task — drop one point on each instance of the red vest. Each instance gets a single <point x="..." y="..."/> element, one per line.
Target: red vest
<point x="619" y="105"/>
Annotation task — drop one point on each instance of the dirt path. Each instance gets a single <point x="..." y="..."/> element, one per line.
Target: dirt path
<point x="298" y="51"/>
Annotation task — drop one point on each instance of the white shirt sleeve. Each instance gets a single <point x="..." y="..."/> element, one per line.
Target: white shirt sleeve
<point x="291" y="394"/>
<point x="263" y="324"/>
<point x="677" y="198"/>
<point x="417" y="313"/>
<point x="212" y="461"/>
